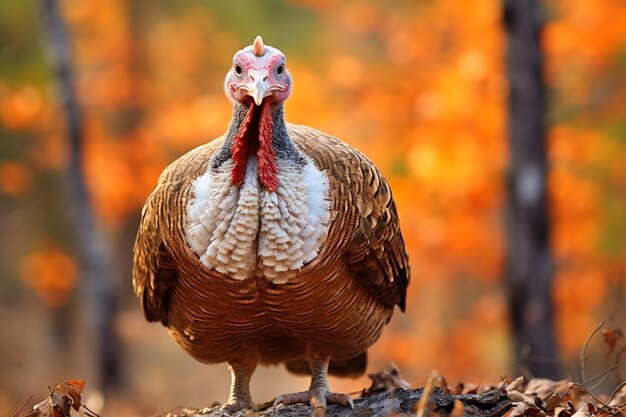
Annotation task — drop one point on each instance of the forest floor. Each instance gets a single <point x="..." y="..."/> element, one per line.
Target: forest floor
<point x="390" y="396"/>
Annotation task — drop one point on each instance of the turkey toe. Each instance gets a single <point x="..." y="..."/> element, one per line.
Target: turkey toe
<point x="318" y="398"/>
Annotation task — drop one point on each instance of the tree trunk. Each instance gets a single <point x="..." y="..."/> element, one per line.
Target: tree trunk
<point x="529" y="264"/>
<point x="99" y="298"/>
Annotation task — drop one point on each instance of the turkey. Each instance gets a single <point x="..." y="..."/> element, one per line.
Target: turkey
<point x="273" y="243"/>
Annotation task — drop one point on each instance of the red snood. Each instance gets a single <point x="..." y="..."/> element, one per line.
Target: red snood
<point x="255" y="136"/>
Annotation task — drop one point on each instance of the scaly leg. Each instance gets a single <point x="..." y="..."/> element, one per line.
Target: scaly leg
<point x="240" y="374"/>
<point x="318" y="394"/>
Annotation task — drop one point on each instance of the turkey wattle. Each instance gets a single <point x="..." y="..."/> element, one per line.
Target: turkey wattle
<point x="273" y="243"/>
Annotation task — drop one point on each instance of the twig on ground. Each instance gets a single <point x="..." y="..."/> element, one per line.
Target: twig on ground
<point x="22" y="407"/>
<point x="603" y="375"/>
<point x="89" y="413"/>
<point x="586" y="391"/>
<point x="583" y="352"/>
<point x="430" y="384"/>
<point x="616" y="390"/>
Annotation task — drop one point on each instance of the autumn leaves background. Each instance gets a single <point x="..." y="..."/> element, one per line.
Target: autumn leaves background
<point x="418" y="86"/>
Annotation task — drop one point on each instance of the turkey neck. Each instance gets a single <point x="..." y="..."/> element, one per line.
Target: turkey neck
<point x="261" y="132"/>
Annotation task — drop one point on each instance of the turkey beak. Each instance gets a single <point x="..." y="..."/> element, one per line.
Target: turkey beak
<point x="258" y="87"/>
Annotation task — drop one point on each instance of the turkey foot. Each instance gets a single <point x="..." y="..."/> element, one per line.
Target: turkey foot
<point x="318" y="394"/>
<point x="317" y="398"/>
<point x="240" y="374"/>
<point x="235" y="405"/>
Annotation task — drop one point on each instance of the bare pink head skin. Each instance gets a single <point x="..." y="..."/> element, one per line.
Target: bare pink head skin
<point x="258" y="73"/>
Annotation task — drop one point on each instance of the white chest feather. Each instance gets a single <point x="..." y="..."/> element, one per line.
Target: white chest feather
<point x="247" y="230"/>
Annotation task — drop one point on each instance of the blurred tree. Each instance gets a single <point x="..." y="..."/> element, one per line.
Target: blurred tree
<point x="529" y="263"/>
<point x="94" y="253"/>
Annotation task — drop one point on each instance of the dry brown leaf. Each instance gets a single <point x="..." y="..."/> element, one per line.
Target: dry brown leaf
<point x="386" y="381"/>
<point x="573" y="394"/>
<point x="470" y="389"/>
<point x="73" y="388"/>
<point x="503" y="384"/>
<point x="61" y="399"/>
<point x="592" y="408"/>
<point x="561" y="411"/>
<point x="43" y="409"/>
<point x="443" y="384"/>
<point x="458" y="410"/>
<point x="517" y="396"/>
<point x="458" y="390"/>
<point x="518" y="410"/>
<point x="534" y="411"/>
<point x="515" y="385"/>
<point x="543" y="387"/>
<point x="552" y="401"/>
<point x="56" y="405"/>
<point x="583" y="410"/>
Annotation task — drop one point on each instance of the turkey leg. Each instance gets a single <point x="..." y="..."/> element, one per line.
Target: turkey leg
<point x="240" y="374"/>
<point x="318" y="394"/>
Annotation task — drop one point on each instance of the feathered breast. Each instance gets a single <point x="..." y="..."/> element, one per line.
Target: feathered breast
<point x="333" y="207"/>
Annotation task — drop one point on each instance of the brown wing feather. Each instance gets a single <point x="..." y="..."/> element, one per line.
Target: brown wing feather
<point x="160" y="240"/>
<point x="364" y="208"/>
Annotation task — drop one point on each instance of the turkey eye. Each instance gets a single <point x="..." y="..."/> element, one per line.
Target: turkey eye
<point x="238" y="69"/>
<point x="280" y="69"/>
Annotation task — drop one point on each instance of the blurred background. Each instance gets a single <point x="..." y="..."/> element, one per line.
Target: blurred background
<point x="419" y="86"/>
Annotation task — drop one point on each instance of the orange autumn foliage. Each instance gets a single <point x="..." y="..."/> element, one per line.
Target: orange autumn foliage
<point x="20" y="108"/>
<point x="419" y="87"/>
<point x="15" y="178"/>
<point x="50" y="272"/>
<point x="584" y="50"/>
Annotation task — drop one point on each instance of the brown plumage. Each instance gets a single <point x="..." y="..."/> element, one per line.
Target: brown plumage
<point x="329" y="305"/>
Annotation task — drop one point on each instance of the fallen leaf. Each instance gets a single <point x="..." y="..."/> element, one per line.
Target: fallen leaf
<point x="583" y="411"/>
<point x="518" y="410"/>
<point x="470" y="389"/>
<point x="458" y="410"/>
<point x="552" y="401"/>
<point x="561" y="411"/>
<point x="458" y="390"/>
<point x="515" y="385"/>
<point x="56" y="405"/>
<point x="73" y="388"/>
<point x="386" y="381"/>
<point x="543" y="387"/>
<point x="443" y="384"/>
<point x="503" y="384"/>
<point x="62" y="397"/>
<point x="517" y="396"/>
<point x="592" y="408"/>
<point x="533" y="411"/>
